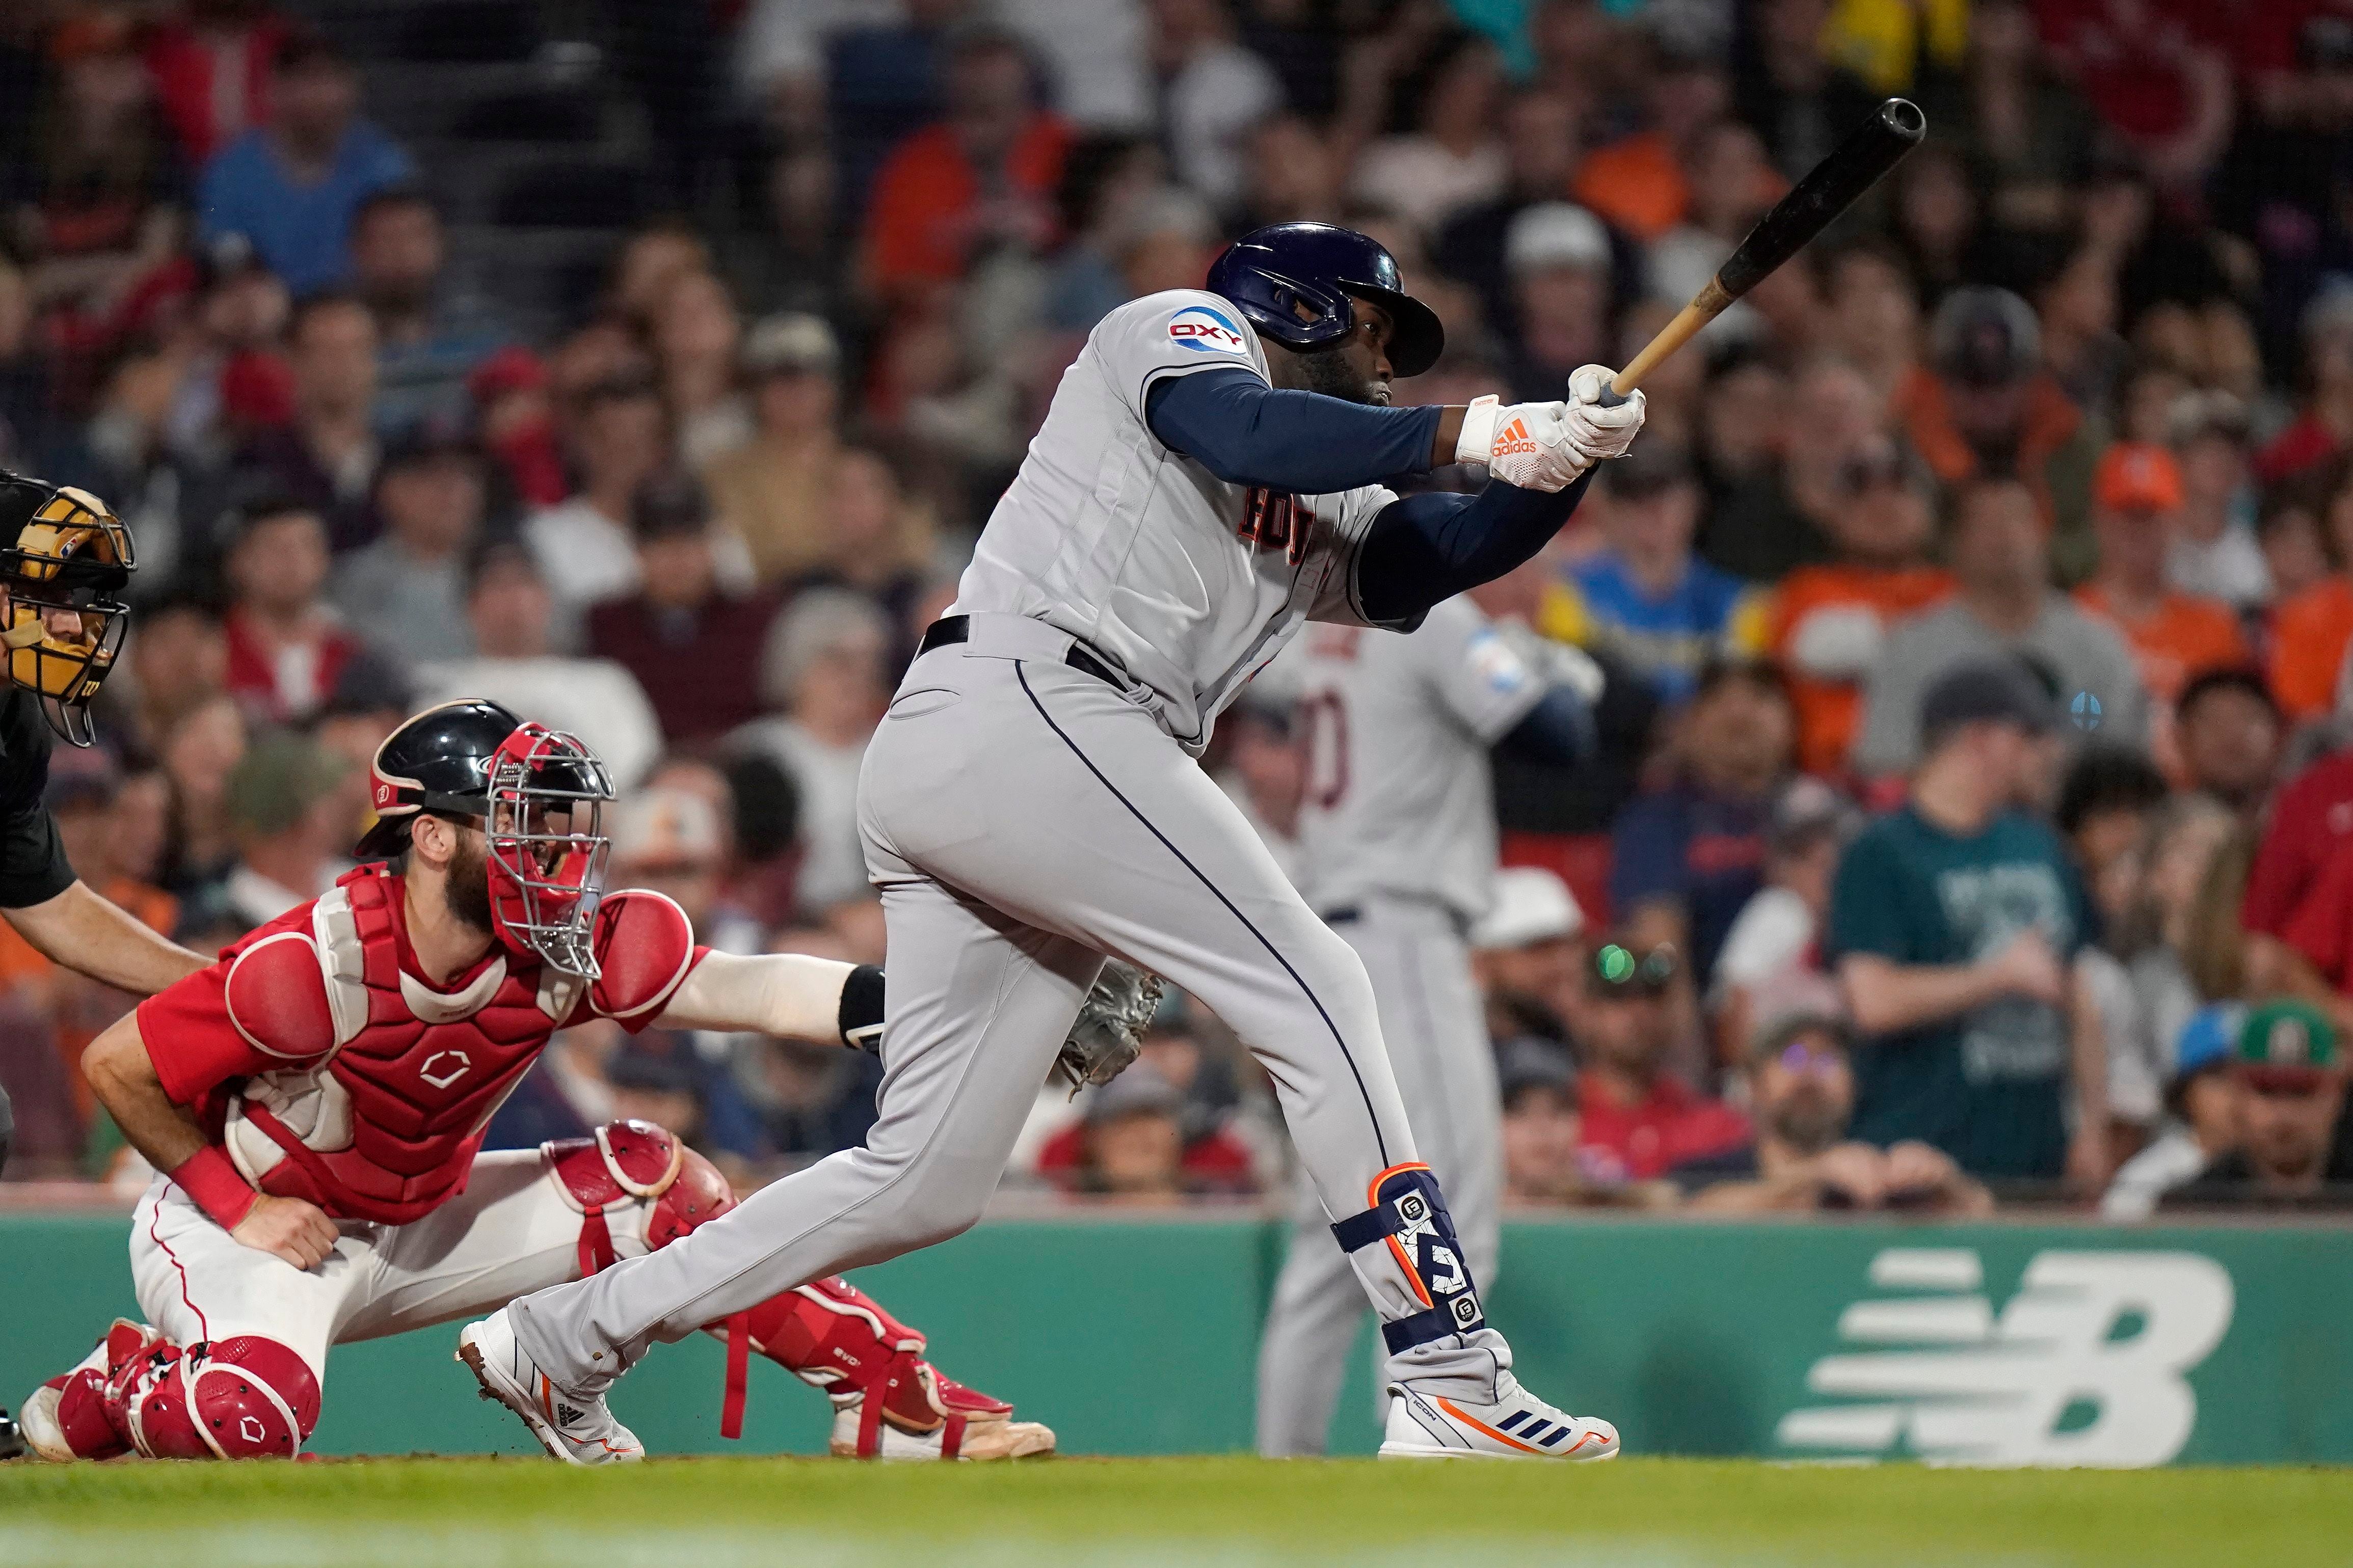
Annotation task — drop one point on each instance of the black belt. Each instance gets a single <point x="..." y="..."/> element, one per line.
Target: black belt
<point x="950" y="629"/>
<point x="1349" y="914"/>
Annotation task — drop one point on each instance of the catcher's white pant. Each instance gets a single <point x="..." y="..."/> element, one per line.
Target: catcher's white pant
<point x="1437" y="1035"/>
<point x="510" y="1231"/>
<point x="1020" y="817"/>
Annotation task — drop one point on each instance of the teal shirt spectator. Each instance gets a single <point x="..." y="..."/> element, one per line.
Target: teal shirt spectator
<point x="299" y="230"/>
<point x="1989" y="1086"/>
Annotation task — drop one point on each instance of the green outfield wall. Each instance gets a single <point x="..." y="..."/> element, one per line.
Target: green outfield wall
<point x="1995" y="1343"/>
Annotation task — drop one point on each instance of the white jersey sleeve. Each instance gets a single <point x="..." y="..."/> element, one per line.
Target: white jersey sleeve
<point x="1347" y="518"/>
<point x="1175" y="333"/>
<point x="1473" y="671"/>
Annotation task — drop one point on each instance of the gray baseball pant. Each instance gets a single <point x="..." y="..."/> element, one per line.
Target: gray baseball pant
<point x="1437" y="1037"/>
<point x="1020" y="818"/>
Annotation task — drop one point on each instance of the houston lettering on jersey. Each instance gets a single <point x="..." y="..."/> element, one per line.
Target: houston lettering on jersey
<point x="1273" y="520"/>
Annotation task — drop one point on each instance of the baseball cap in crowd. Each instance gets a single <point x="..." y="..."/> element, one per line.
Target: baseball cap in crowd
<point x="1142" y="1090"/>
<point x="1775" y="1035"/>
<point x="82" y="777"/>
<point x="369" y="683"/>
<point x="666" y="505"/>
<point x="1647" y="469"/>
<point x="1531" y="905"/>
<point x="1554" y="234"/>
<point x="2286" y="1045"/>
<point x="663" y="829"/>
<point x="1984" y="337"/>
<point x="1524" y="1062"/>
<point x="791" y="343"/>
<point x="2207" y="1042"/>
<point x="1619" y="970"/>
<point x="1806" y="810"/>
<point x="1994" y="690"/>
<point x="281" y="776"/>
<point x="434" y="437"/>
<point x="2136" y="476"/>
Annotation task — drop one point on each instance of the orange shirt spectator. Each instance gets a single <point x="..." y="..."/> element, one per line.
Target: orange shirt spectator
<point x="2185" y="636"/>
<point x="1829" y="709"/>
<point x="1637" y="185"/>
<point x="987" y="171"/>
<point x="2308" y="637"/>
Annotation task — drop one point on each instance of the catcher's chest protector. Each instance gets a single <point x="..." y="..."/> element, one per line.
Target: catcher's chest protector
<point x="387" y="1126"/>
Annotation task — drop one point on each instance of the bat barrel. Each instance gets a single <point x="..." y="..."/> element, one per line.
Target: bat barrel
<point x="1828" y="189"/>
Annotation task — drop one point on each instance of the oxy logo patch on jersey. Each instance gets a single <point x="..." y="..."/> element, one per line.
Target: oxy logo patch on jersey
<point x="1207" y="331"/>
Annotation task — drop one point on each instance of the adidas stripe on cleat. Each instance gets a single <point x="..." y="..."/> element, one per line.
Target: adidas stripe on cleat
<point x="1518" y="1426"/>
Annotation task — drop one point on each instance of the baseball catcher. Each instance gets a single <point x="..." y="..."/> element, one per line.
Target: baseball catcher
<point x="316" y="1101"/>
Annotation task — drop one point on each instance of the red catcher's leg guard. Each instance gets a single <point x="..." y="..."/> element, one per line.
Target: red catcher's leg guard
<point x="81" y="1415"/>
<point x="243" y="1398"/>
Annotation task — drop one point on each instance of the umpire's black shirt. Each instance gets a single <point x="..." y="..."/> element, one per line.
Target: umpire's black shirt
<point x="33" y="864"/>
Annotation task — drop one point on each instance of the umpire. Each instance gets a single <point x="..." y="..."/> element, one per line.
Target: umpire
<point x="63" y="570"/>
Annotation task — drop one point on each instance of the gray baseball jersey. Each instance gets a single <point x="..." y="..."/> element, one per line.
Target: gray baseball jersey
<point x="1400" y="798"/>
<point x="1115" y="538"/>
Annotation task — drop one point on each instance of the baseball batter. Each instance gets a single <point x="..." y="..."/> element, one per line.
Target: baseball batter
<point x="1398" y="843"/>
<point x="1207" y="480"/>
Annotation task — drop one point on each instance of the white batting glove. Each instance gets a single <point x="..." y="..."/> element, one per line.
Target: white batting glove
<point x="1523" y="444"/>
<point x="1594" y="431"/>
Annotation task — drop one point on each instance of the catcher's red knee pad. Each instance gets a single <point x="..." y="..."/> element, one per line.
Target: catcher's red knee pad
<point x="241" y="1398"/>
<point x="626" y="1161"/>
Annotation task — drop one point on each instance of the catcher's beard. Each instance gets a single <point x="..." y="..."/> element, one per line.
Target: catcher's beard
<point x="467" y="885"/>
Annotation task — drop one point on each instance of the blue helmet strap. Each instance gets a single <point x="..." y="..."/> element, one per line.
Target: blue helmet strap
<point x="1409" y="1210"/>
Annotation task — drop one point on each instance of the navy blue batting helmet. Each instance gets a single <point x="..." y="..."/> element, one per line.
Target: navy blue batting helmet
<point x="1293" y="281"/>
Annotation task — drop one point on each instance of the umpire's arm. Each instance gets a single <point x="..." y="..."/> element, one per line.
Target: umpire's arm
<point x="68" y="925"/>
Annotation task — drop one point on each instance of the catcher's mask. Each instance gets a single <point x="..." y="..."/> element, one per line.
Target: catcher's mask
<point x="65" y="563"/>
<point x="539" y="795"/>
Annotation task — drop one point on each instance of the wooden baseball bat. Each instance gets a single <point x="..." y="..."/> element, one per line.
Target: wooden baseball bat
<point x="1829" y="187"/>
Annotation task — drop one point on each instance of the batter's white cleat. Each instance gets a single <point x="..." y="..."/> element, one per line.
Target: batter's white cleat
<point x="578" y="1429"/>
<point x="1518" y="1426"/>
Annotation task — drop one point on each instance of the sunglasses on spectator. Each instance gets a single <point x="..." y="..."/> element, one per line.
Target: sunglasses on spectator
<point x="1620" y="974"/>
<point x="1804" y="1060"/>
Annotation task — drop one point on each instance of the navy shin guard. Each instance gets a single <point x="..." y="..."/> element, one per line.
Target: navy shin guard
<point x="1409" y="1214"/>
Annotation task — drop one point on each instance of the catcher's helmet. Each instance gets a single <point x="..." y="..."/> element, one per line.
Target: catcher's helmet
<point x="63" y="551"/>
<point x="540" y="797"/>
<point x="1293" y="281"/>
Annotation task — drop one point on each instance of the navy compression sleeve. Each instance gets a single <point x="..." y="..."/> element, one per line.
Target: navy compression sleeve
<point x="1426" y="548"/>
<point x="1247" y="432"/>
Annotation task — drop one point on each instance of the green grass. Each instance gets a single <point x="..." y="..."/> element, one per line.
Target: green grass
<point x="714" y="1513"/>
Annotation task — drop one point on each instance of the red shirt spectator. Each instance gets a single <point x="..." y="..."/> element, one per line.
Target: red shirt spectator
<point x="211" y="70"/>
<point x="2310" y="822"/>
<point x="285" y="649"/>
<point x="985" y="175"/>
<point x="2154" y="70"/>
<point x="1638" y="1116"/>
<point x="694" y="649"/>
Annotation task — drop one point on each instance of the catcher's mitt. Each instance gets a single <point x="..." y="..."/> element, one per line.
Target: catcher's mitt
<point x="1110" y="1028"/>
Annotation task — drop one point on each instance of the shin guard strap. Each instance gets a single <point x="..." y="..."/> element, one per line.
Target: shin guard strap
<point x="1409" y="1214"/>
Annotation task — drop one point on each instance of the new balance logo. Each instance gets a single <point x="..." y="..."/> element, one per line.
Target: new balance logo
<point x="2085" y="1365"/>
<point x="565" y="1416"/>
<point x="1513" y="438"/>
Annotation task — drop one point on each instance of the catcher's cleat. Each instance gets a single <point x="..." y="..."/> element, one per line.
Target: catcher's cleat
<point x="578" y="1429"/>
<point x="66" y="1418"/>
<point x="1518" y="1426"/>
<point x="915" y="1412"/>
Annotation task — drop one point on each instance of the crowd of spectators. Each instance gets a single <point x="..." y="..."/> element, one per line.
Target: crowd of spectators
<point x="1973" y="821"/>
